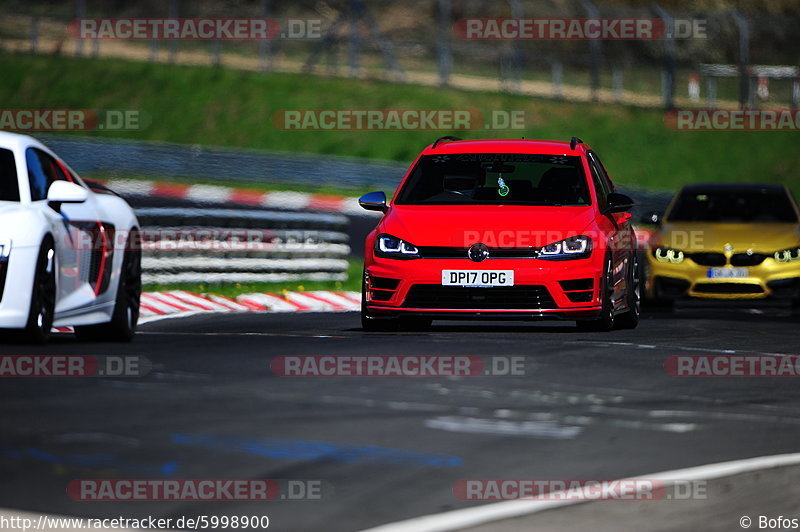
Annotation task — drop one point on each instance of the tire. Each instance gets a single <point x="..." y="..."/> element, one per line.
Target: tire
<point x="43" y="296"/>
<point x="654" y="300"/>
<point x="605" y="322"/>
<point x="370" y="323"/>
<point x="125" y="317"/>
<point x="630" y="319"/>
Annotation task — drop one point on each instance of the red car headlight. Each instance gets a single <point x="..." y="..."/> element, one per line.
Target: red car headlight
<point x="391" y="247"/>
<point x="576" y="247"/>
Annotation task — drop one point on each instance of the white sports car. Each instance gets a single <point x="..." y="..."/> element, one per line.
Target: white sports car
<point x="70" y="252"/>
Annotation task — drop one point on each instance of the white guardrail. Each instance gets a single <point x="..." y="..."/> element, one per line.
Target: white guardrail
<point x="210" y="245"/>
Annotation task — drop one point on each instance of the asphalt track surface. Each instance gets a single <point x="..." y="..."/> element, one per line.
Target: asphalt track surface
<point x="591" y="405"/>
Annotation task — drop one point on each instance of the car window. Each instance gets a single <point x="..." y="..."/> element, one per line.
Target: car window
<point x="496" y="179"/>
<point x="42" y="171"/>
<point x="600" y="184"/>
<point x="603" y="173"/>
<point x="9" y="185"/>
<point x="751" y="205"/>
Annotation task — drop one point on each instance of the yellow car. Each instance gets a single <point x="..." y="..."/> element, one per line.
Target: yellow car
<point x="726" y="241"/>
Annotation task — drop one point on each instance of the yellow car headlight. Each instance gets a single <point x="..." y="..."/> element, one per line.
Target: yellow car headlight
<point x="788" y="255"/>
<point x="663" y="254"/>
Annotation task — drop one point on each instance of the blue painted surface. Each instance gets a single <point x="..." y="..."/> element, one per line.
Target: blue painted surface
<point x="90" y="461"/>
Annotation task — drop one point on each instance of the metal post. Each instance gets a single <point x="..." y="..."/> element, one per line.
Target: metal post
<point x="354" y="47"/>
<point x="443" y="42"/>
<point x="668" y="74"/>
<point x="594" y="52"/>
<point x="617" y="82"/>
<point x="174" y="9"/>
<point x="558" y="78"/>
<point x="265" y="46"/>
<point x="711" y="89"/>
<point x="516" y="50"/>
<point x="216" y="51"/>
<point x="80" y="12"/>
<point x="744" y="53"/>
<point x="384" y="44"/>
<point x="34" y="33"/>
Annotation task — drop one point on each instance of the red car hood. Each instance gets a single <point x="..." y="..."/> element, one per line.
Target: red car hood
<point x="494" y="225"/>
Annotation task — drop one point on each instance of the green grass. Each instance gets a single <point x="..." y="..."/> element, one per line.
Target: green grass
<point x="232" y="290"/>
<point x="216" y="106"/>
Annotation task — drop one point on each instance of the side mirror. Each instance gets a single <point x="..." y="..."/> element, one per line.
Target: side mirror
<point x="373" y="201"/>
<point x="618" y="203"/>
<point x="653" y="218"/>
<point x="66" y="192"/>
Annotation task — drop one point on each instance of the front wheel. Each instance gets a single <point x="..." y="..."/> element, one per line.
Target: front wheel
<point x="43" y="296"/>
<point x="122" y="326"/>
<point x="630" y="320"/>
<point x="605" y="322"/>
<point x="372" y="324"/>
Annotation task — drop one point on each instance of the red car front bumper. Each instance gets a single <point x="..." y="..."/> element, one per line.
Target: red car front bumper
<point x="542" y="289"/>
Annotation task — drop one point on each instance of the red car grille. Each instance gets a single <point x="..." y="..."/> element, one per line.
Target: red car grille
<point x="708" y="259"/>
<point x="495" y="298"/>
<point x="728" y="288"/>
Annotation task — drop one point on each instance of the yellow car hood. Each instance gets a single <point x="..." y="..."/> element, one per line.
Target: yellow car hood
<point x="764" y="237"/>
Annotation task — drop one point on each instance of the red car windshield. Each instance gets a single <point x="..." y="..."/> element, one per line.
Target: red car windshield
<point x="496" y="179"/>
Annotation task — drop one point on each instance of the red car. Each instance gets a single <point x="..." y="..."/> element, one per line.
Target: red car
<point x="502" y="229"/>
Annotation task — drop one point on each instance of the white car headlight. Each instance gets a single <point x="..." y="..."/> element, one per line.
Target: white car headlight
<point x="663" y="254"/>
<point x="395" y="248"/>
<point x="788" y="255"/>
<point x="576" y="247"/>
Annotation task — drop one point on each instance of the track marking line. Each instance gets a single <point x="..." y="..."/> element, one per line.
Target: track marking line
<point x="677" y="348"/>
<point x="472" y="517"/>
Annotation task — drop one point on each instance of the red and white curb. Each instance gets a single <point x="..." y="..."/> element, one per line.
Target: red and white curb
<point x="179" y="303"/>
<point x="225" y="195"/>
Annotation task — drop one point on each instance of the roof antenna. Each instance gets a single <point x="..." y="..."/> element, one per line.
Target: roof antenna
<point x="574" y="141"/>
